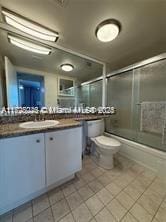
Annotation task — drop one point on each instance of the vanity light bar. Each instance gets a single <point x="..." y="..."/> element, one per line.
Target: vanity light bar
<point x="27" y="45"/>
<point x="28" y="26"/>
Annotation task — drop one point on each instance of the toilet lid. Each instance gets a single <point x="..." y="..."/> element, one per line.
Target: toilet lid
<point x="107" y="141"/>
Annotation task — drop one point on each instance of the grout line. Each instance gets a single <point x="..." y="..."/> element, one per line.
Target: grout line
<point x="50" y="206"/>
<point x="140" y="197"/>
<point x="131" y="197"/>
<point x="159" y="207"/>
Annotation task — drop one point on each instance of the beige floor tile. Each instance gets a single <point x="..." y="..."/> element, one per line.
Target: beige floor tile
<point x="90" y="166"/>
<point x="74" y="200"/>
<point x="82" y="214"/>
<point x="149" y="174"/>
<point x="104" y="216"/>
<point x="93" y="220"/>
<point x="144" y="182"/>
<point x="161" y="214"/>
<point x="128" y="177"/>
<point x="55" y="195"/>
<point x="23" y="213"/>
<point x="85" y="192"/>
<point x="105" y="196"/>
<point x="82" y="172"/>
<point x="79" y="183"/>
<point x="122" y="182"/>
<point x="87" y="159"/>
<point x="104" y="180"/>
<point x="128" y="218"/>
<point x="94" y="204"/>
<point x="60" y="209"/>
<point x="44" y="216"/>
<point x="140" y="213"/>
<point x="97" y="172"/>
<point x="113" y="188"/>
<point x="114" y="173"/>
<point x="95" y="185"/>
<point x="147" y="202"/>
<point x="39" y="204"/>
<point x="116" y="209"/>
<point x="67" y="218"/>
<point x="6" y="217"/>
<point x="159" y="187"/>
<point x="155" y="220"/>
<point x="125" y="200"/>
<point x="88" y="177"/>
<point x="133" y="192"/>
<point x="68" y="189"/>
<point x="138" y="185"/>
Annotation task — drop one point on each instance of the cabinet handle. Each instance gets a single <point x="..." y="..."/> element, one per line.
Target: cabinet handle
<point x="38" y="141"/>
<point x="51" y="138"/>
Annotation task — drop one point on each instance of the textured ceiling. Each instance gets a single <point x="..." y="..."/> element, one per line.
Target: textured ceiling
<point x="143" y="26"/>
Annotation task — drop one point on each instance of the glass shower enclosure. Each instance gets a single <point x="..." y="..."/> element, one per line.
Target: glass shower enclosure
<point x="90" y="95"/>
<point x="139" y="95"/>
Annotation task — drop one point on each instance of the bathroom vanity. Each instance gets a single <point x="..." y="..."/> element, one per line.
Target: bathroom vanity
<point x="32" y="162"/>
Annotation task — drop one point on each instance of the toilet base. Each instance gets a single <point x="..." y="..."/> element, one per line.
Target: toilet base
<point x="106" y="162"/>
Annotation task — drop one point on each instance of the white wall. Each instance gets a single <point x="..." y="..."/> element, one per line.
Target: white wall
<point x="11" y="83"/>
<point x="1" y="83"/>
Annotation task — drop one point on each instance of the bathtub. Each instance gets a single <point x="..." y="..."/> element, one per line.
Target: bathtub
<point x="144" y="155"/>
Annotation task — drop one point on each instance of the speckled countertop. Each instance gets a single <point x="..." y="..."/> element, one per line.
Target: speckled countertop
<point x="13" y="129"/>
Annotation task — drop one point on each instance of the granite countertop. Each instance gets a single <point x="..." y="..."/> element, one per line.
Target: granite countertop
<point x="13" y="129"/>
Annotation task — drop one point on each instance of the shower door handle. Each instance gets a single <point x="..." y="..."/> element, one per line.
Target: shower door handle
<point x="163" y="133"/>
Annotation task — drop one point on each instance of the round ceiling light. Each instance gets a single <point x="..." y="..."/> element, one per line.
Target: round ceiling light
<point x="108" y="30"/>
<point x="67" y="67"/>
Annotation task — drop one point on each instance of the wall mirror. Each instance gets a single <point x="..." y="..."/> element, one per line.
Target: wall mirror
<point x="32" y="79"/>
<point x="66" y="87"/>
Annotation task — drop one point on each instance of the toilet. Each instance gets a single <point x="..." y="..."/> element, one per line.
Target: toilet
<point x="103" y="148"/>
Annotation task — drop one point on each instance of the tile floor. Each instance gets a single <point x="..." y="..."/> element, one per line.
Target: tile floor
<point x="128" y="193"/>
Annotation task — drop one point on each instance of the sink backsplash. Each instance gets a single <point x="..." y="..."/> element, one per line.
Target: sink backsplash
<point x="32" y="117"/>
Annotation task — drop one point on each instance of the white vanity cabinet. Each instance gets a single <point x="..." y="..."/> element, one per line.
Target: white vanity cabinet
<point x="32" y="164"/>
<point x="63" y="154"/>
<point x="22" y="168"/>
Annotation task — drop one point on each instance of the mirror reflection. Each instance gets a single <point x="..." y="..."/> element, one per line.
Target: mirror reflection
<point x="31" y="79"/>
<point x="66" y="87"/>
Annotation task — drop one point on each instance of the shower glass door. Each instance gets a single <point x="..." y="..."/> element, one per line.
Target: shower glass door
<point x="120" y="96"/>
<point x="152" y="92"/>
<point x="128" y="92"/>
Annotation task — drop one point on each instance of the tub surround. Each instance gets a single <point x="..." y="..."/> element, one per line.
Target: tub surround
<point x="148" y="157"/>
<point x="13" y="130"/>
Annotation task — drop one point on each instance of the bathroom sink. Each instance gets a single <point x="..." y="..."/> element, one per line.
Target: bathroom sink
<point x="38" y="124"/>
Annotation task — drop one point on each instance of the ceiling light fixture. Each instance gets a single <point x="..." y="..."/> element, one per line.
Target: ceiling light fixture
<point x="28" y="26"/>
<point x="108" y="30"/>
<point x="67" y="67"/>
<point x="27" y="45"/>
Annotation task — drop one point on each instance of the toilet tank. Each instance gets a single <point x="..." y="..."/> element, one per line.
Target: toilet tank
<point x="95" y="128"/>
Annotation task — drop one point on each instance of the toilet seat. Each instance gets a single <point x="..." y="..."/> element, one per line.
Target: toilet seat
<point x="106" y="142"/>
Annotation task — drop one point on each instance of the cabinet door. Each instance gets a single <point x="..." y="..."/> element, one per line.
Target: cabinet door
<point x="22" y="168"/>
<point x="63" y="154"/>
